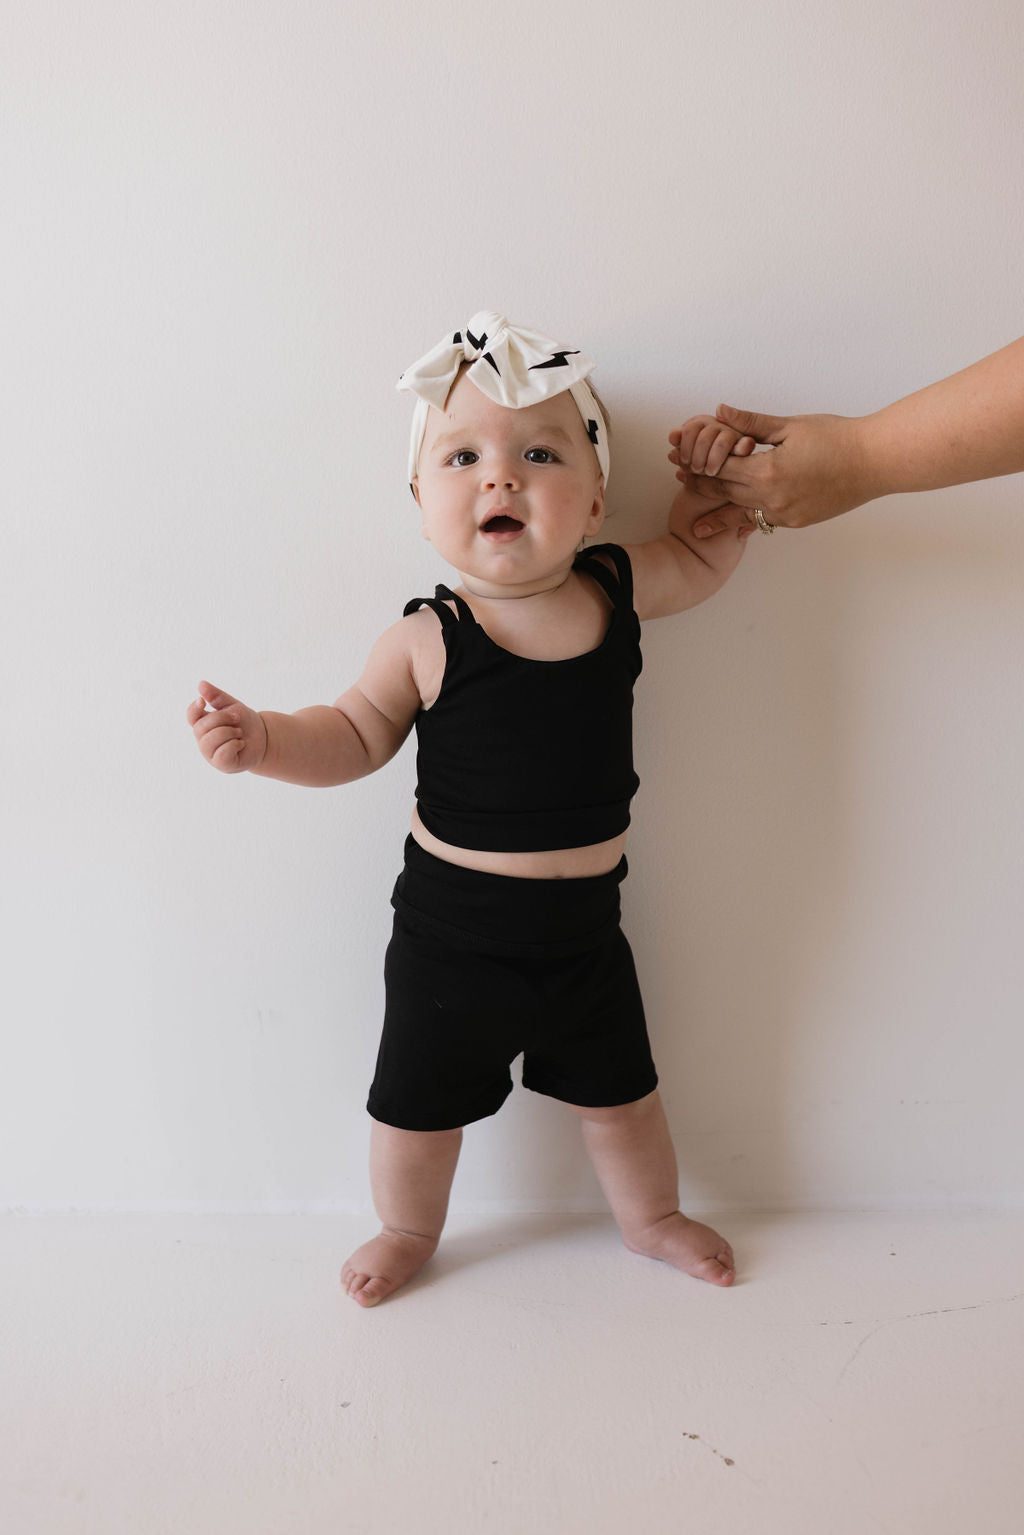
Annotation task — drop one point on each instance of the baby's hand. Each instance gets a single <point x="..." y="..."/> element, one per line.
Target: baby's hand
<point x="233" y="738"/>
<point x="703" y="444"/>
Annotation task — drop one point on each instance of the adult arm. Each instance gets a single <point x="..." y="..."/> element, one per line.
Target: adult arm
<point x="969" y="426"/>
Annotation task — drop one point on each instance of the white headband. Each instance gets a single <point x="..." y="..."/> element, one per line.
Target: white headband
<point x="511" y="366"/>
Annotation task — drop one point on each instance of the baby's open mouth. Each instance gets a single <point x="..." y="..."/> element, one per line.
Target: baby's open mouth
<point x="502" y="524"/>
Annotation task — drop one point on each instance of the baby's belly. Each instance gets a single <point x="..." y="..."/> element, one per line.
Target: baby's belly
<point x="559" y="863"/>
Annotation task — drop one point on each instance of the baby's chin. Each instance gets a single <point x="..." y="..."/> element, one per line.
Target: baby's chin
<point x="504" y="576"/>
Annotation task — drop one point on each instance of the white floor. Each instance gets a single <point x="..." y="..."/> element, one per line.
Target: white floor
<point x="205" y="1376"/>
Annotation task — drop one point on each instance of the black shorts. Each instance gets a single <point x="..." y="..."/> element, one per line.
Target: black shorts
<point x="481" y="967"/>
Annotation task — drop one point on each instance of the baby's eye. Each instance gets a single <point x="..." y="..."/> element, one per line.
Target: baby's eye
<point x="549" y="459"/>
<point x="462" y="452"/>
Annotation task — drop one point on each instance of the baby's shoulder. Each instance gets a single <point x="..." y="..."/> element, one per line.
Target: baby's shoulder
<point x="604" y="558"/>
<point x="422" y="624"/>
<point x="419" y="632"/>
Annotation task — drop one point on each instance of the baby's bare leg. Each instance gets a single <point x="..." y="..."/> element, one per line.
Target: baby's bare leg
<point x="631" y="1149"/>
<point x="411" y="1174"/>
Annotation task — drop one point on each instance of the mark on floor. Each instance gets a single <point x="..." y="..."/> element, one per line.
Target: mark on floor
<point x="997" y="1300"/>
<point x="711" y="1447"/>
<point x="913" y="1316"/>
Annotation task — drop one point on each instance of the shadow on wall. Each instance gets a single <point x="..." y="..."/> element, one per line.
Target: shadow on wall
<point x="801" y="741"/>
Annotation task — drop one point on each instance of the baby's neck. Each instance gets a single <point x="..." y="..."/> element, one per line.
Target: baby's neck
<point x="489" y="591"/>
<point x="498" y="596"/>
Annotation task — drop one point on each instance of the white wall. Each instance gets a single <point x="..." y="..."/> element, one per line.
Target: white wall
<point x="227" y="228"/>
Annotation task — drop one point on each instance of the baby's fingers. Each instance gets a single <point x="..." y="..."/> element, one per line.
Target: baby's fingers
<point x="215" y="697"/>
<point x="686" y="437"/>
<point x="727" y="442"/>
<point x="703" y="444"/>
<point x="222" y="747"/>
<point x="228" y="755"/>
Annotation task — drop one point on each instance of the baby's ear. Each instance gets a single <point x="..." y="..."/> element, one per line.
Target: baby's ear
<point x="414" y="486"/>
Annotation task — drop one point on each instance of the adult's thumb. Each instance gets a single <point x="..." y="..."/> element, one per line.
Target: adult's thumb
<point x="753" y="424"/>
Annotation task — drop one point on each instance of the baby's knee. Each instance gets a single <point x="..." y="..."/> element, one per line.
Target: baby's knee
<point x="619" y="1113"/>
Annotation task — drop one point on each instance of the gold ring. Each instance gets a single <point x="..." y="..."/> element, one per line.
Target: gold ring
<point x="759" y="518"/>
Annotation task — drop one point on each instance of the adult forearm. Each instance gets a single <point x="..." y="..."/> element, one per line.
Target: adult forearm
<point x="317" y="747"/>
<point x="969" y="426"/>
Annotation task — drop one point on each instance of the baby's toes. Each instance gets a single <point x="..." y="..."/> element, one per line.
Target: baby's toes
<point x="353" y="1281"/>
<point x="367" y="1289"/>
<point x="719" y="1270"/>
<point x="371" y="1289"/>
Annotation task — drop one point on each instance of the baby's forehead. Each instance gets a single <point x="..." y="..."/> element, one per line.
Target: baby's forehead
<point x="468" y="408"/>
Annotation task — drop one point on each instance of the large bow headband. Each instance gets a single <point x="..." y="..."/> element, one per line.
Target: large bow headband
<point x="513" y="367"/>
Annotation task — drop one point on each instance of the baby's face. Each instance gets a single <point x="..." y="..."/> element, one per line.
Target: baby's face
<point x="507" y="495"/>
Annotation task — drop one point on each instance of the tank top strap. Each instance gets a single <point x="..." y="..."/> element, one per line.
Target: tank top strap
<point x="621" y="591"/>
<point x="438" y="605"/>
<point x="465" y="611"/>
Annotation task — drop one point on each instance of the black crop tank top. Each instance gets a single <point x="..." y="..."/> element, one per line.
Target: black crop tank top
<point x="521" y="756"/>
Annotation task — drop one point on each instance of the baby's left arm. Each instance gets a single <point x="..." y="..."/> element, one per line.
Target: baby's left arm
<point x="677" y="570"/>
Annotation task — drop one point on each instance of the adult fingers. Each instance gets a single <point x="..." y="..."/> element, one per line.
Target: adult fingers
<point x="720" y="453"/>
<point x="746" y="480"/>
<point x="722" y="519"/>
<point x="753" y="423"/>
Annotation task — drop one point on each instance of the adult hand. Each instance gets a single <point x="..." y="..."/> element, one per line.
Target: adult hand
<point x="815" y="469"/>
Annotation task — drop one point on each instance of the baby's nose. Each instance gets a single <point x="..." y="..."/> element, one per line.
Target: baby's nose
<point x="504" y="475"/>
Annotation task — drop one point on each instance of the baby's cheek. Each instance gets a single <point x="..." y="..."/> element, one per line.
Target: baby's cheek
<point x="573" y="500"/>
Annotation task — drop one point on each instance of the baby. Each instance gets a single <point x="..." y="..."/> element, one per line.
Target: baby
<point x="519" y="681"/>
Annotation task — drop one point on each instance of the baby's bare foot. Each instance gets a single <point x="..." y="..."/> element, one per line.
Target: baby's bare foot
<point x="689" y="1246"/>
<point x="384" y="1264"/>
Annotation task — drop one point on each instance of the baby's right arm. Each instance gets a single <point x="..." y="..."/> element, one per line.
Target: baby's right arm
<point x="325" y="744"/>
